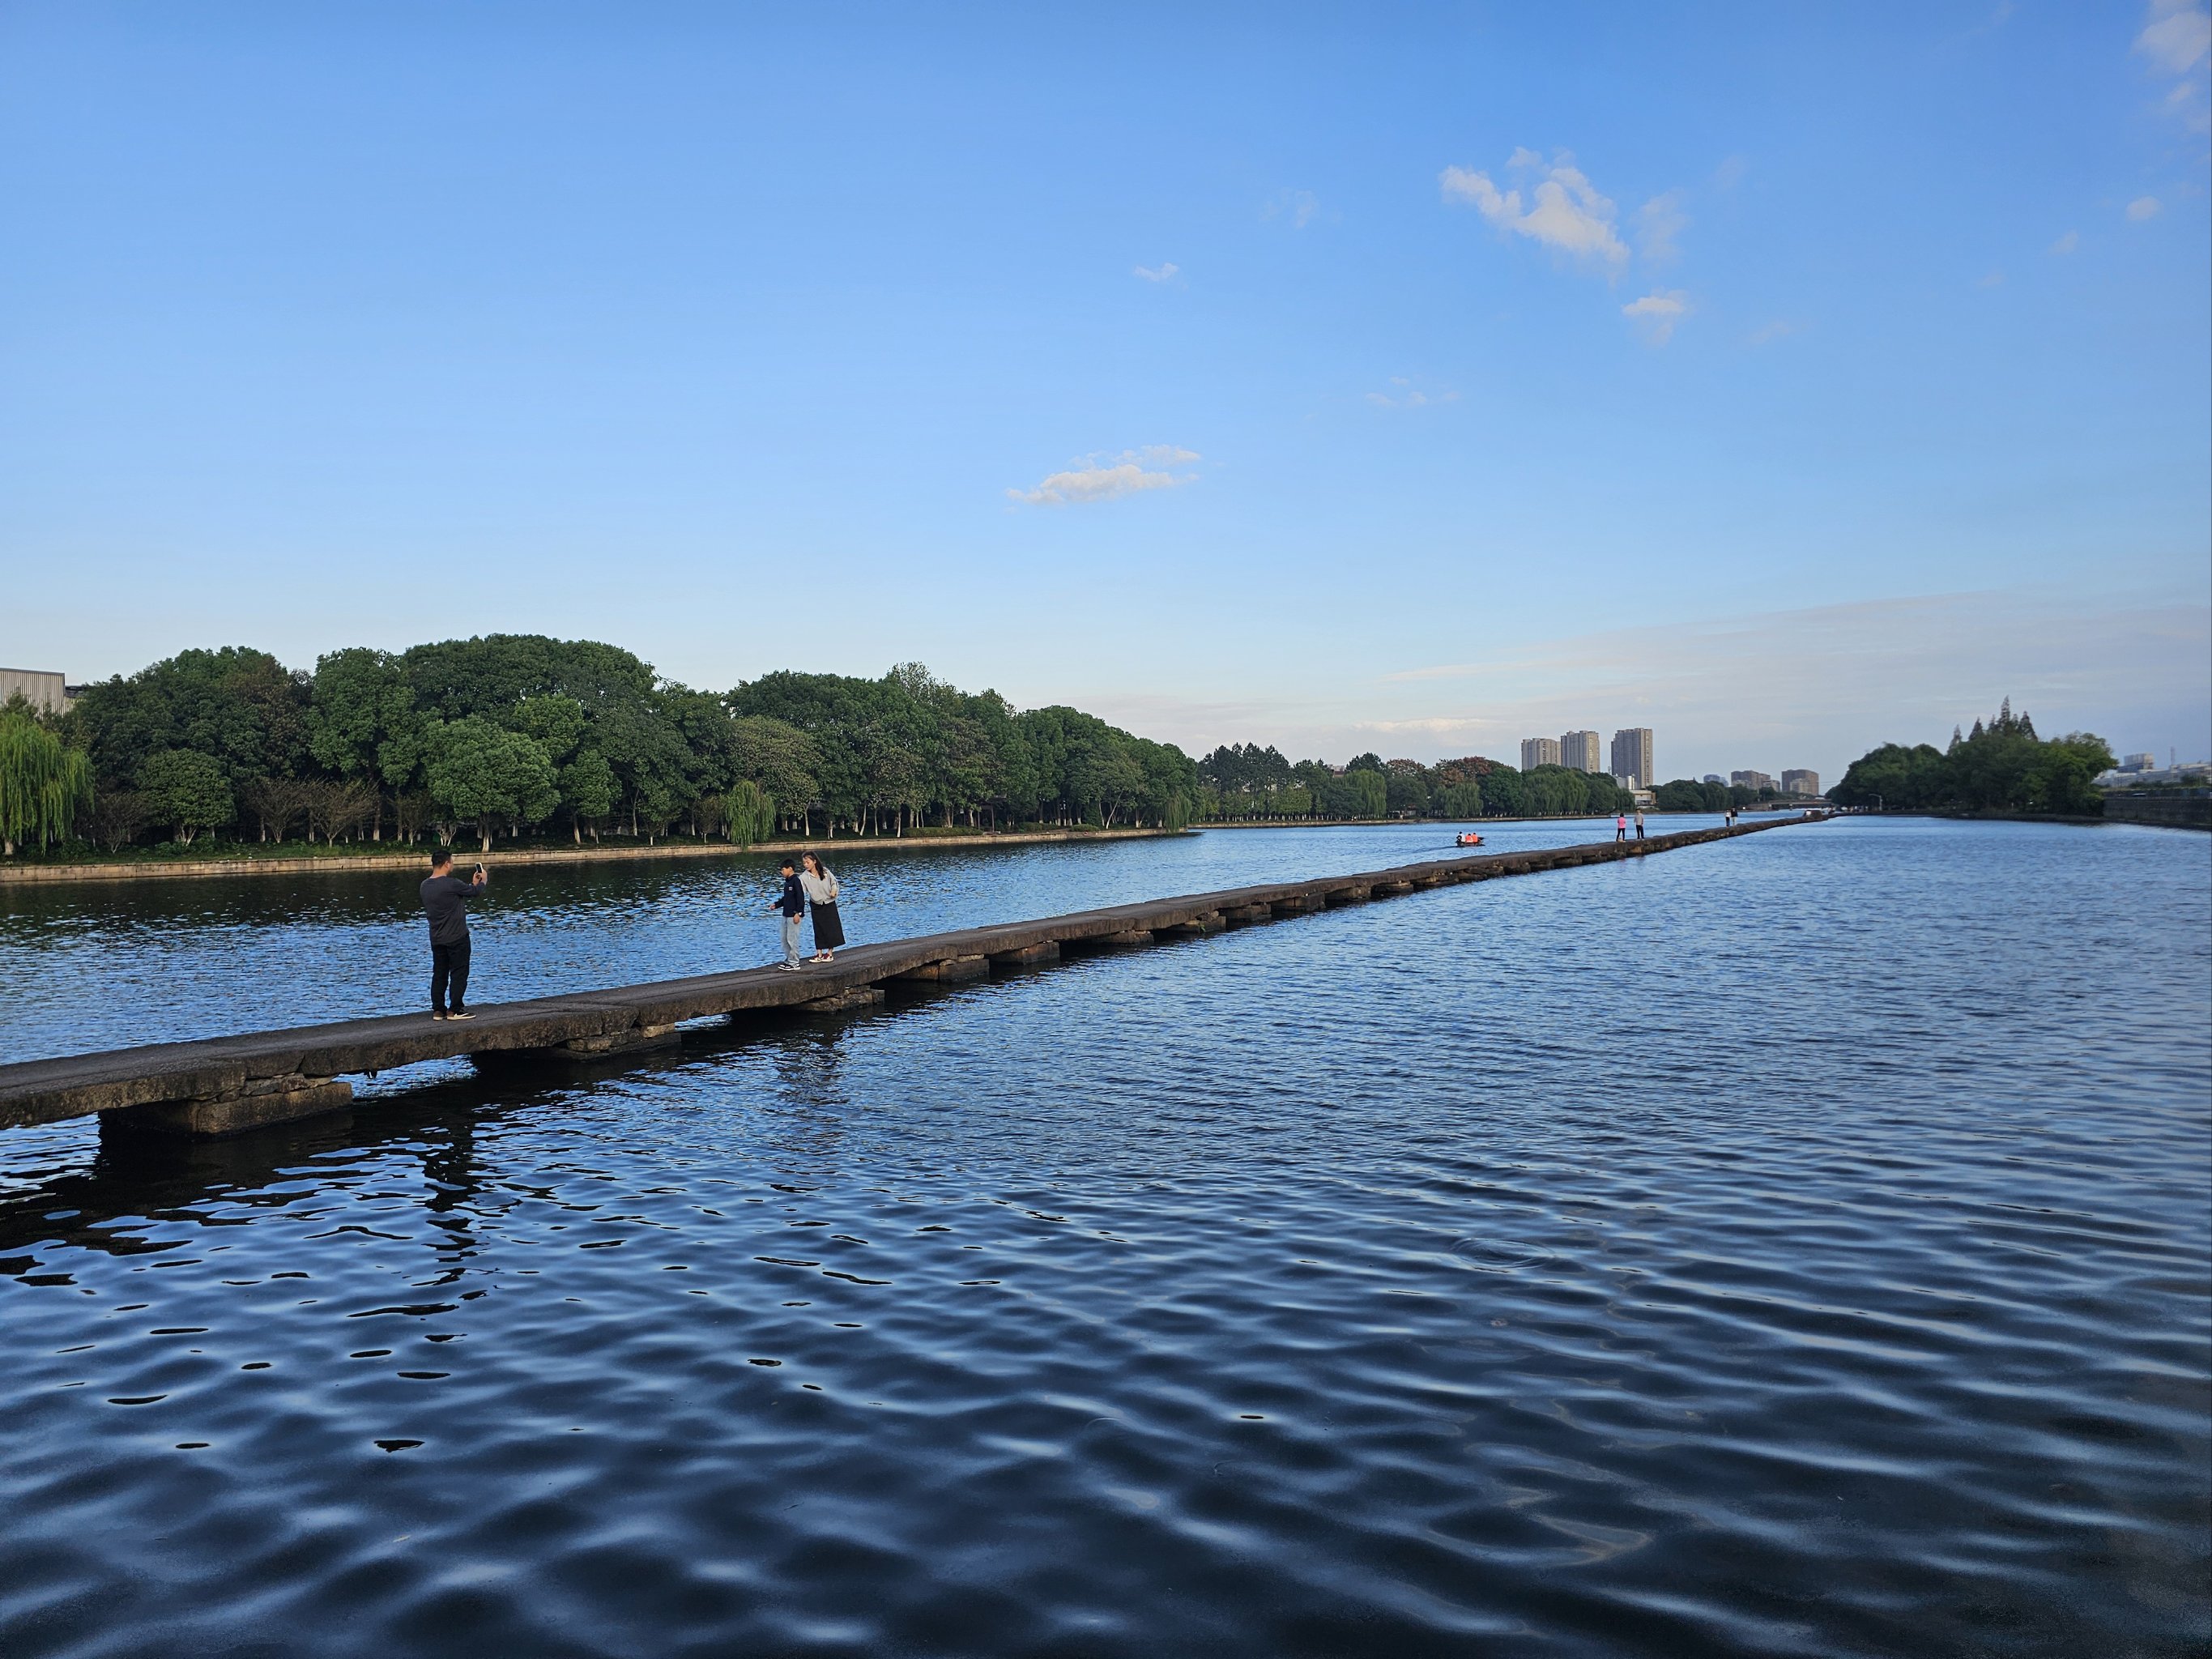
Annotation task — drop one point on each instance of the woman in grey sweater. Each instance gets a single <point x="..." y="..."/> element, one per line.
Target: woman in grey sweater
<point x="822" y="902"/>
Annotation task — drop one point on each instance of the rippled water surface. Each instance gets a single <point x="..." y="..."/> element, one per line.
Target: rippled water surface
<point x="1798" y="1245"/>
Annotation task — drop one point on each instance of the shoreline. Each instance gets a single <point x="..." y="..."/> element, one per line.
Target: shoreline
<point x="288" y="865"/>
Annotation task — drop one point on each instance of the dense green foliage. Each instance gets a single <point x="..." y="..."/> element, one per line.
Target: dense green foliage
<point x="1248" y="781"/>
<point x="1683" y="795"/>
<point x="43" y="784"/>
<point x="2002" y="766"/>
<point x="514" y="733"/>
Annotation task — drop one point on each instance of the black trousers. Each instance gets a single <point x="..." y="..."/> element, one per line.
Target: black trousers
<point x="449" y="960"/>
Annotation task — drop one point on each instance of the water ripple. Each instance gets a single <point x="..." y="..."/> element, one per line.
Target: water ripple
<point x="1549" y="1266"/>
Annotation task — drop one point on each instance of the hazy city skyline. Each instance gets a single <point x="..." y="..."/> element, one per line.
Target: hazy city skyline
<point x="1260" y="390"/>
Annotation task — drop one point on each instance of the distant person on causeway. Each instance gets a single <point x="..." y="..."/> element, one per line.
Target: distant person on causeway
<point x="791" y="904"/>
<point x="820" y="888"/>
<point x="445" y="900"/>
<point x="1620" y="826"/>
<point x="1639" y="823"/>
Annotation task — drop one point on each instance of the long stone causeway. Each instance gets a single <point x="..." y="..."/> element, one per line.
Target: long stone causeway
<point x="224" y="1085"/>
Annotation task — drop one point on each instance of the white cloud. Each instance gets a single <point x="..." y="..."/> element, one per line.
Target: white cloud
<point x="1729" y="173"/>
<point x="1405" y="395"/>
<point x="1657" y="314"/>
<point x="1166" y="271"/>
<point x="1995" y="279"/>
<point x="1300" y="207"/>
<point x="2177" y="37"/>
<point x="1658" y="223"/>
<point x="2067" y="243"/>
<point x="1564" y="211"/>
<point x="2142" y="207"/>
<point x="1768" y="333"/>
<point x="1096" y="478"/>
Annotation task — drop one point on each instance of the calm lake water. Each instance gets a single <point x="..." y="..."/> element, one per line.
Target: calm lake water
<point x="1799" y="1245"/>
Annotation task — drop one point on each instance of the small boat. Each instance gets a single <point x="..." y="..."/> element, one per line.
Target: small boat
<point x="1468" y="838"/>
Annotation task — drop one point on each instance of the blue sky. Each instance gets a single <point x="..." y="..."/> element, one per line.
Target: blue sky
<point x="1786" y="380"/>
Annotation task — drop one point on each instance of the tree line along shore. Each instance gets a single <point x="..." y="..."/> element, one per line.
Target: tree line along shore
<point x="521" y="738"/>
<point x="534" y="740"/>
<point x="2001" y="766"/>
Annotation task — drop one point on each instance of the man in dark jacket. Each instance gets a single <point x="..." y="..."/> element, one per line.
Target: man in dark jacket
<point x="445" y="899"/>
<point x="792" y="903"/>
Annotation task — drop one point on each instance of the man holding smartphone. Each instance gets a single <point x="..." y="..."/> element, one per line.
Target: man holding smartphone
<point x="445" y="899"/>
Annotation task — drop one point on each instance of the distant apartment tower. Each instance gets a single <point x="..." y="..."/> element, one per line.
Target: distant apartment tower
<point x="1632" y="756"/>
<point x="1579" y="750"/>
<point x="1539" y="751"/>
<point x="1796" y="781"/>
<point x="1751" y="780"/>
<point x="1715" y="777"/>
<point x="40" y="689"/>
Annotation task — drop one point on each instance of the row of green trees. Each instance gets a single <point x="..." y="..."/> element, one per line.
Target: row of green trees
<point x="2000" y="765"/>
<point x="1243" y="782"/>
<point x="514" y="733"/>
<point x="1692" y="795"/>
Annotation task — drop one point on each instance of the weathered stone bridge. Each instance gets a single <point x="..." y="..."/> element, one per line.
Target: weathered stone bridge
<point x="221" y="1085"/>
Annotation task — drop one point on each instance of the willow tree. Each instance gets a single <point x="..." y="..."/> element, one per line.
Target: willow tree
<point x="43" y="784"/>
<point x="749" y="813"/>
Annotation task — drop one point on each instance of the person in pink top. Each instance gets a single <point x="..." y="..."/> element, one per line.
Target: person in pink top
<point x="1620" y="826"/>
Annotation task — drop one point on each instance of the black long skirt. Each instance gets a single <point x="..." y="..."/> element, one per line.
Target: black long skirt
<point x="828" y="932"/>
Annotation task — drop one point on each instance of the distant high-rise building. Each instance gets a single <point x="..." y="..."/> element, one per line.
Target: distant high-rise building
<point x="1796" y="781"/>
<point x="1751" y="780"/>
<point x="1632" y="756"/>
<point x="1539" y="751"/>
<point x="1579" y="750"/>
<point x="1714" y="777"/>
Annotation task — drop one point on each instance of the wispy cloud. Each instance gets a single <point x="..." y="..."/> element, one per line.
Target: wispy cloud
<point x="1658" y="223"/>
<point x="1994" y="279"/>
<point x="1729" y="173"/>
<point x="2177" y="39"/>
<point x="1564" y="210"/>
<point x="1657" y="313"/>
<point x="2142" y="207"/>
<point x="1300" y="207"/>
<point x="1404" y="394"/>
<point x="2178" y="35"/>
<point x="1166" y="271"/>
<point x="1768" y="333"/>
<point x="2067" y="243"/>
<point x="1104" y="478"/>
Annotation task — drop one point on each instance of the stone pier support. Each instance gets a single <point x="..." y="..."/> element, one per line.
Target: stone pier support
<point x="1030" y="956"/>
<point x="267" y="1100"/>
<point x="1196" y="927"/>
<point x="951" y="972"/>
<point x="843" y="1002"/>
<point x="614" y="1042"/>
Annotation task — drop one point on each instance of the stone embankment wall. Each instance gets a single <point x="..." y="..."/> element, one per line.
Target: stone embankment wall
<point x="2182" y="809"/>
